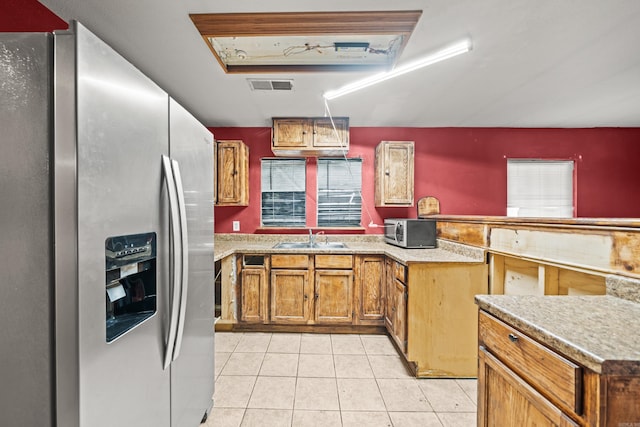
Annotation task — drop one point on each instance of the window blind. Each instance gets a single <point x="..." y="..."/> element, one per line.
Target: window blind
<point x="339" y="192"/>
<point x="283" y="192"/>
<point x="540" y="188"/>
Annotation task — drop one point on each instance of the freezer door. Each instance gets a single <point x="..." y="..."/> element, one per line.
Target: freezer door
<point x="192" y="371"/>
<point x="26" y="247"/>
<point x="122" y="122"/>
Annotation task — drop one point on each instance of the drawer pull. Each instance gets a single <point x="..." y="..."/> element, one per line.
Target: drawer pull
<point x="513" y="338"/>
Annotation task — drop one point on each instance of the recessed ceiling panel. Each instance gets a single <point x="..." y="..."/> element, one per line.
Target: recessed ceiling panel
<point x="376" y="50"/>
<point x="306" y="41"/>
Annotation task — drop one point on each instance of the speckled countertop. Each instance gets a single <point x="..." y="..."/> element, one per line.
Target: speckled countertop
<point x="599" y="332"/>
<point x="228" y="244"/>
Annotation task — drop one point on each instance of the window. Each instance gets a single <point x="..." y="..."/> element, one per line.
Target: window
<point x="283" y="192"/>
<point x="339" y="192"/>
<point x="540" y="188"/>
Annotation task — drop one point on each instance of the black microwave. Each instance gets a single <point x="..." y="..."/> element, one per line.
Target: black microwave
<point x="410" y="233"/>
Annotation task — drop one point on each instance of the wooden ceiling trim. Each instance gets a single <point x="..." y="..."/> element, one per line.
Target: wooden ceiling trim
<point x="305" y="23"/>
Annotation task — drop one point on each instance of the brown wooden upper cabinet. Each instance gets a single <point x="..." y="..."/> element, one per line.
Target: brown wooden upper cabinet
<point x="232" y="157"/>
<point x="312" y="136"/>
<point x="394" y="173"/>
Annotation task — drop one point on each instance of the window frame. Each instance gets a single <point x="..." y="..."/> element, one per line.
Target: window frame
<point x="290" y="222"/>
<point x="539" y="211"/>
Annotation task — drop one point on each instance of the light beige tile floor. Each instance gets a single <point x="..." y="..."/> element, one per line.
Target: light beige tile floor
<point x="309" y="380"/>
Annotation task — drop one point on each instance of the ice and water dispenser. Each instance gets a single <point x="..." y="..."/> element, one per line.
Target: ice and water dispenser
<point x="131" y="282"/>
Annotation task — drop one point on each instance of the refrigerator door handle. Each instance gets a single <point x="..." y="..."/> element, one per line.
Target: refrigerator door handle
<point x="175" y="257"/>
<point x="184" y="251"/>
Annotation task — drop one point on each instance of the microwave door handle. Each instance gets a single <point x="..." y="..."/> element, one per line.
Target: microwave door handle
<point x="173" y="256"/>
<point x="395" y="231"/>
<point x="184" y="251"/>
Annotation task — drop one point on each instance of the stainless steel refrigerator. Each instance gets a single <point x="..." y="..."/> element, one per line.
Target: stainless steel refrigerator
<point x="106" y="247"/>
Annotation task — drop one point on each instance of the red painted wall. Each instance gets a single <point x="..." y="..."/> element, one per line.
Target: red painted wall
<point x="28" y="16"/>
<point x="466" y="169"/>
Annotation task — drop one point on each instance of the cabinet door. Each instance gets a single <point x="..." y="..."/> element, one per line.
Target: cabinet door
<point x="370" y="302"/>
<point x="549" y="372"/>
<point x="291" y="297"/>
<point x="504" y="399"/>
<point x="325" y="136"/>
<point x="233" y="174"/>
<point x="389" y="311"/>
<point x="400" y="314"/>
<point x="333" y="290"/>
<point x="253" y="295"/>
<point x="288" y="133"/>
<point x="394" y="173"/>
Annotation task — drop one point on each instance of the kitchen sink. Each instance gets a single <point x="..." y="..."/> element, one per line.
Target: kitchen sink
<point x="308" y="245"/>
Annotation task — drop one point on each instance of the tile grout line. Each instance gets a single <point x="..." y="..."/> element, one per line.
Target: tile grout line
<point x="375" y="379"/>
<point x="430" y="405"/>
<point x="295" y="388"/>
<point x="256" y="381"/>
<point x="335" y="374"/>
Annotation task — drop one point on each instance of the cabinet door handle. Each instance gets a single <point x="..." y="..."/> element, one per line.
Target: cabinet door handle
<point x="386" y="172"/>
<point x="305" y="297"/>
<point x="317" y="296"/>
<point x="513" y="338"/>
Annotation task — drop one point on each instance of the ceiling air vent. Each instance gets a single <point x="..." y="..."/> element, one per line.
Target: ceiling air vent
<point x="269" y="85"/>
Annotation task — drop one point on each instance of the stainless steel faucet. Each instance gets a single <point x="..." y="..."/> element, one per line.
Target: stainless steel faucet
<point x="313" y="237"/>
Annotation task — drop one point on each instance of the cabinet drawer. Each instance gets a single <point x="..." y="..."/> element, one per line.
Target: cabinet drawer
<point x="334" y="261"/>
<point x="400" y="272"/>
<point x="289" y="261"/>
<point x="551" y="374"/>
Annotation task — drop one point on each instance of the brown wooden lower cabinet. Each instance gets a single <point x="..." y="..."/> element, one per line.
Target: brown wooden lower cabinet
<point x="291" y="296"/>
<point x="389" y="286"/>
<point x="333" y="295"/>
<point x="397" y="304"/>
<point x="507" y="400"/>
<point x="333" y="285"/>
<point x="370" y="289"/>
<point x="254" y="296"/>
<point x="312" y="289"/>
<point x="291" y="289"/>
<point x="399" y="309"/>
<point x="524" y="383"/>
<point x="427" y="307"/>
<point x="431" y="316"/>
<point x="253" y="288"/>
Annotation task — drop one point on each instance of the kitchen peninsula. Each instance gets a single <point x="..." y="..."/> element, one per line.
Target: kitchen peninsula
<point x="423" y="298"/>
<point x="571" y="360"/>
<point x="558" y="342"/>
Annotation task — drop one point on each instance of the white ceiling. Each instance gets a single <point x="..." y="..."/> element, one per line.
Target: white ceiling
<point x="535" y="63"/>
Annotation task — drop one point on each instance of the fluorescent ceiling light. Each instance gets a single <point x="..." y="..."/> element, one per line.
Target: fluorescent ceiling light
<point x="440" y="55"/>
